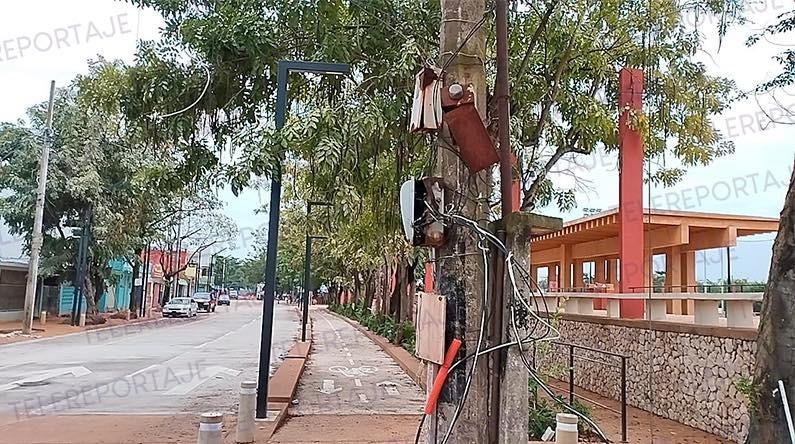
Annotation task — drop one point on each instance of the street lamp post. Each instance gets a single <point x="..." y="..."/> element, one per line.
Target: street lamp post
<point x="210" y="276"/>
<point x="307" y="280"/>
<point x="308" y="267"/>
<point x="283" y="70"/>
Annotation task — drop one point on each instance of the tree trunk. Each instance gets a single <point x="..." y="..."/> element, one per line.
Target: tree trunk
<point x="369" y="292"/>
<point x="135" y="292"/>
<point x="165" y="294"/>
<point x="410" y="290"/>
<point x="399" y="293"/>
<point x="775" y="341"/>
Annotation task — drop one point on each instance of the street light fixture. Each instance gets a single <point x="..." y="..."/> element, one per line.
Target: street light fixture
<point x="283" y="70"/>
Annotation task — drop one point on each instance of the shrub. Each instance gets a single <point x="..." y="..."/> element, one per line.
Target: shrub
<point x="542" y="413"/>
<point x="385" y="326"/>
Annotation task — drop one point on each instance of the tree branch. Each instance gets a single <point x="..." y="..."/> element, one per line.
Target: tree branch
<point x="534" y="41"/>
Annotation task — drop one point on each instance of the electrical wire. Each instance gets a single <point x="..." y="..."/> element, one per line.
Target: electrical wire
<point x="516" y="294"/>
<point x="549" y="391"/>
<point x="155" y="115"/>
<point x="419" y="429"/>
<point x="469" y="35"/>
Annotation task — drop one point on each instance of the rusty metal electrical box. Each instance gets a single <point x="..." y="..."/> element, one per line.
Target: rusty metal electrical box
<point x="476" y="147"/>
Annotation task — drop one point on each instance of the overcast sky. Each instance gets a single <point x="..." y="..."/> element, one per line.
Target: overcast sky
<point x="42" y="40"/>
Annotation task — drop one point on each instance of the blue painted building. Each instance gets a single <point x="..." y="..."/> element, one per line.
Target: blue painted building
<point x="116" y="296"/>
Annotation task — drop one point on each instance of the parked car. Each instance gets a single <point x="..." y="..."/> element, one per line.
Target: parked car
<point x="233" y="294"/>
<point x="205" y="300"/>
<point x="181" y="307"/>
<point x="223" y="299"/>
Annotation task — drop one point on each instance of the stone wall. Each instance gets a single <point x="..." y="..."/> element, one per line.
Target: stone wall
<point x="679" y="372"/>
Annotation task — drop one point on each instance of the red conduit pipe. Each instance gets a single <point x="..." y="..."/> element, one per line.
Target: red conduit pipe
<point x="438" y="383"/>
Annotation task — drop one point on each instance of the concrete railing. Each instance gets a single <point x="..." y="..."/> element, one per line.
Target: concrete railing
<point x="739" y="307"/>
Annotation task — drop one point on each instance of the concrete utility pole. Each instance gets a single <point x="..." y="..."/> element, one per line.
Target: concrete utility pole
<point x="461" y="279"/>
<point x="38" y="236"/>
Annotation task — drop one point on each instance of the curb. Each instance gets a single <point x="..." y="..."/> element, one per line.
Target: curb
<point x="289" y="373"/>
<point x="412" y="366"/>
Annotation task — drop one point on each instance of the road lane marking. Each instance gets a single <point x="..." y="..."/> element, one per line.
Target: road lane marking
<point x="42" y="376"/>
<point x="354" y="371"/>
<point x="196" y="380"/>
<point x="14" y="365"/>
<point x="390" y="387"/>
<point x="350" y="361"/>
<point x="328" y="387"/>
<point x="358" y="382"/>
<point x="142" y="370"/>
<point x="363" y="398"/>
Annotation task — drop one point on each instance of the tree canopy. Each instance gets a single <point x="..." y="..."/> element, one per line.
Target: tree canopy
<point x="164" y="123"/>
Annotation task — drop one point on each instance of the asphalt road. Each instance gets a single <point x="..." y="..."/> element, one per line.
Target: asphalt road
<point x="165" y="367"/>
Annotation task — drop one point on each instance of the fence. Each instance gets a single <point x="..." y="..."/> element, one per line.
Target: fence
<point x="619" y="362"/>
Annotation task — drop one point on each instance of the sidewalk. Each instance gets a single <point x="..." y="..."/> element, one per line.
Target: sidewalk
<point x="11" y="331"/>
<point x="351" y="391"/>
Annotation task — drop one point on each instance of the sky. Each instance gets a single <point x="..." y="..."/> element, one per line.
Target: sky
<point x="43" y="40"/>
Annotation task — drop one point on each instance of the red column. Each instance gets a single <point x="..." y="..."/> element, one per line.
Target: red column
<point x="630" y="197"/>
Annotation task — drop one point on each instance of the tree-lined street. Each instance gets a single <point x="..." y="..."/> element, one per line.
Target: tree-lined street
<point x="170" y="367"/>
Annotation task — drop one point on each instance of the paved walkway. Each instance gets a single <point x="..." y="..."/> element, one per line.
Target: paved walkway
<point x="348" y="374"/>
<point x="350" y="386"/>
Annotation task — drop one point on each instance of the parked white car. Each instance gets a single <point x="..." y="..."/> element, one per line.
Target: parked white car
<point x="181" y="307"/>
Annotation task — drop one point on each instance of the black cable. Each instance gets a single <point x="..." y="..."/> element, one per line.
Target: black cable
<point x="419" y="429"/>
<point x="529" y="367"/>
<point x="526" y="278"/>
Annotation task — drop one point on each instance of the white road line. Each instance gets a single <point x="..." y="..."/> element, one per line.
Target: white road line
<point x="363" y="398"/>
<point x="142" y="370"/>
<point x="14" y="365"/>
<point x="350" y="361"/>
<point x="348" y="355"/>
<point x="346" y="349"/>
<point x="358" y="382"/>
<point x="201" y="345"/>
<point x="127" y="336"/>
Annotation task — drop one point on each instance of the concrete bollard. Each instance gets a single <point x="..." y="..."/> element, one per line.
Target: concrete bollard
<point x="82" y="319"/>
<point x="210" y="428"/>
<point x="43" y="318"/>
<point x="566" y="429"/>
<point x="246" y="412"/>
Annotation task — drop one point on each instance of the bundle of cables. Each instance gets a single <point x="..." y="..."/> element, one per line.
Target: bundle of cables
<point x="549" y="332"/>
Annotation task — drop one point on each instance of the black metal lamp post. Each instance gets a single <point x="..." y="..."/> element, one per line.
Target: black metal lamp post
<point x="308" y="267"/>
<point x="283" y="70"/>
<point x="307" y="280"/>
<point x="210" y="276"/>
